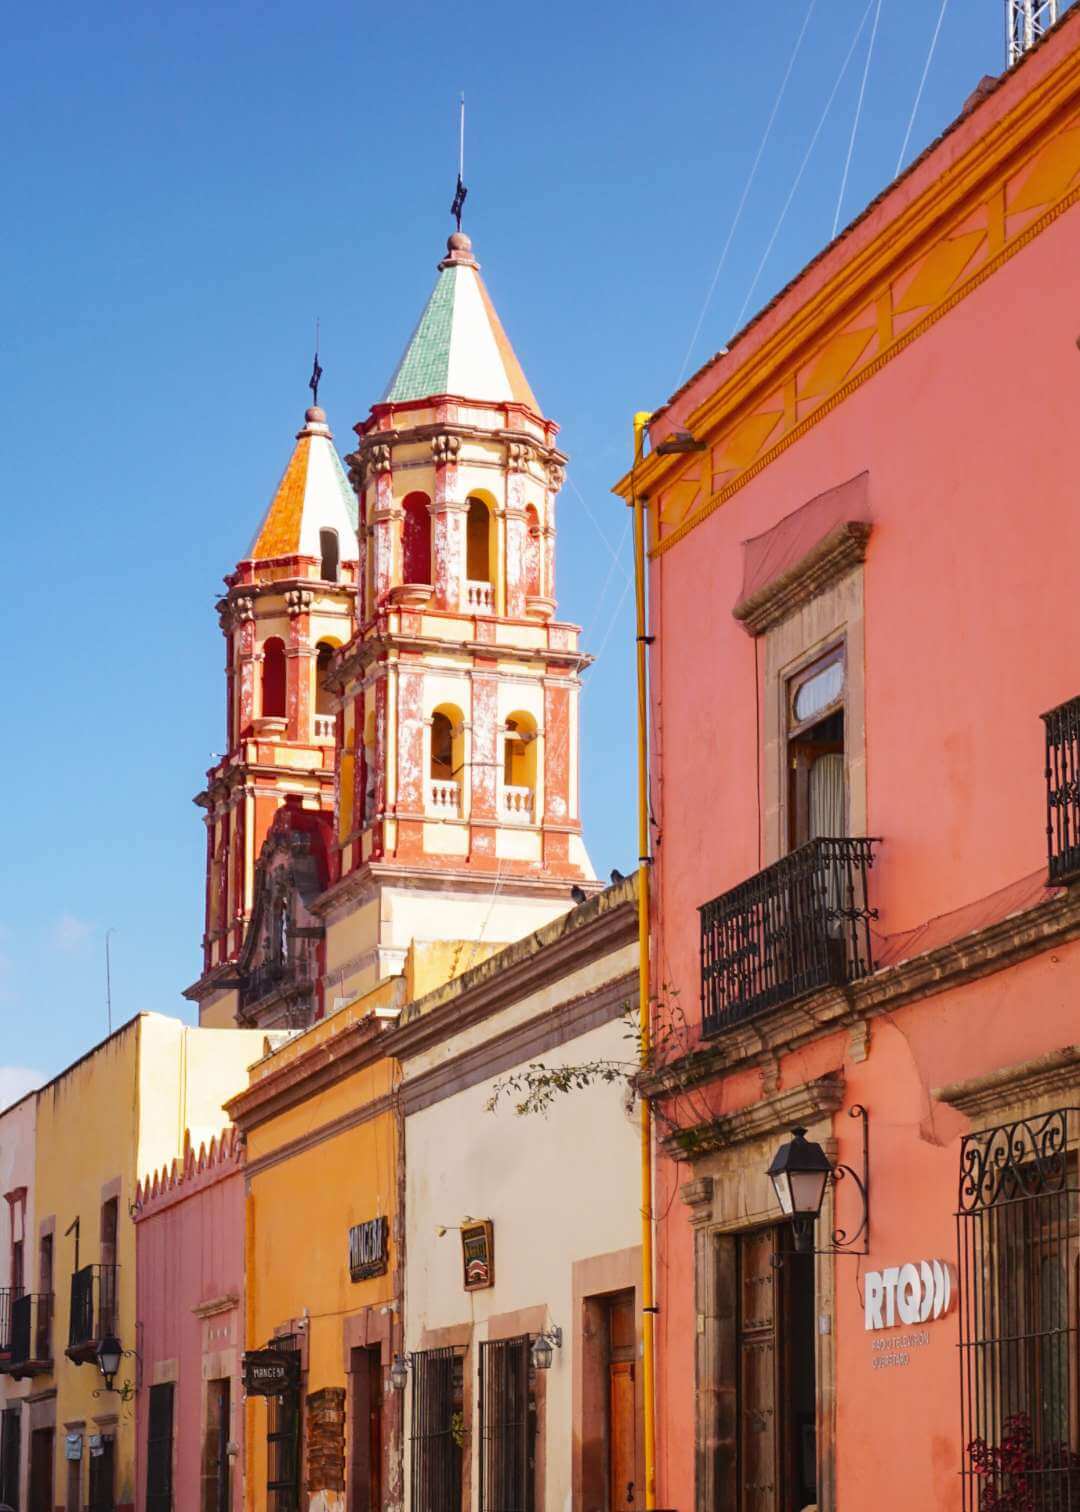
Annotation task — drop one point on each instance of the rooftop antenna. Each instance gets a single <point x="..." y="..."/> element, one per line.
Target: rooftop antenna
<point x="1025" y="22"/>
<point x="316" y="370"/>
<point x="108" y="982"/>
<point x="460" y="192"/>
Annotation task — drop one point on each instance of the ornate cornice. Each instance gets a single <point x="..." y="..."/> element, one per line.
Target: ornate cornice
<point x="801" y="1105"/>
<point x="1046" y="1078"/>
<point x="824" y="564"/>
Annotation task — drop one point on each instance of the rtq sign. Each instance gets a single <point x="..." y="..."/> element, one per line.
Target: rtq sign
<point x="912" y="1293"/>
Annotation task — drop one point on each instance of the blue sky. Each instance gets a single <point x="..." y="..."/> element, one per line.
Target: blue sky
<point x="187" y="187"/>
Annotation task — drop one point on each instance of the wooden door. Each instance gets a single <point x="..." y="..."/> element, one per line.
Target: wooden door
<point x="759" y="1370"/>
<point x="622" y="1445"/>
<point x="42" y="1442"/>
<point x="365" y="1475"/>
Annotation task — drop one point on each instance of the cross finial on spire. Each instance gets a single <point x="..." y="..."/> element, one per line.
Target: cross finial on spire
<point x="460" y="192"/>
<point x="316" y="371"/>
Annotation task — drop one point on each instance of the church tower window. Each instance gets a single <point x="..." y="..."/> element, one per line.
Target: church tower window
<point x="328" y="546"/>
<point x="416" y="540"/>
<point x="273" y="679"/>
<point x="532" y="551"/>
<point x="478" y="543"/>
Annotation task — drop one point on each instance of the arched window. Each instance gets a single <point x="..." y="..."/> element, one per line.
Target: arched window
<point x="324" y="699"/>
<point x="531" y="573"/>
<point x="273" y="679"/>
<point x="447" y="769"/>
<point x="328" y="546"/>
<point x="519" y="751"/>
<point x="416" y="540"/>
<point x="478" y="543"/>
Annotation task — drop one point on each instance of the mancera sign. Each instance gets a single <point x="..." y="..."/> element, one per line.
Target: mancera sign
<point x="911" y="1293"/>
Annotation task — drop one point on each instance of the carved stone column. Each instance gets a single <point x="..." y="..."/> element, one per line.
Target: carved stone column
<point x="449" y="512"/>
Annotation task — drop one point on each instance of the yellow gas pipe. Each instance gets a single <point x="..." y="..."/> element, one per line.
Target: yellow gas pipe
<point x="648" y="1306"/>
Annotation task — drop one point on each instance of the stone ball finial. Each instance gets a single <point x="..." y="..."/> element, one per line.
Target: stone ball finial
<point x="316" y="415"/>
<point x="459" y="242"/>
<point x="459" y="252"/>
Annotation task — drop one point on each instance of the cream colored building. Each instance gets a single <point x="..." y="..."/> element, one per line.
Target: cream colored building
<point x="556" y="1195"/>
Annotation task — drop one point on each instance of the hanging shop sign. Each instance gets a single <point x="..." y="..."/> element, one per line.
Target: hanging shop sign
<point x="271" y="1372"/>
<point x="369" y="1249"/>
<point x="478" y="1254"/>
<point x="918" y="1292"/>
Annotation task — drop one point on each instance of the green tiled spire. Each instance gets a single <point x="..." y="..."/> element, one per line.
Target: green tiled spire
<point x="425" y="367"/>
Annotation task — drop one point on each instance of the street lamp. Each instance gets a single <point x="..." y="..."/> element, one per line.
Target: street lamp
<point x="109" y="1354"/>
<point x="800" y="1173"/>
<point x="399" y="1371"/>
<point x="544" y="1346"/>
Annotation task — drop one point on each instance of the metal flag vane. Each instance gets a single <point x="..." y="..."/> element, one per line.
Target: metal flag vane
<point x="316" y="370"/>
<point x="460" y="192"/>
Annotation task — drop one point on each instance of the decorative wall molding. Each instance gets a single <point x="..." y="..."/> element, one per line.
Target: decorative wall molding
<point x="1049" y="1079"/>
<point x="804" y="1104"/>
<point x="824" y="564"/>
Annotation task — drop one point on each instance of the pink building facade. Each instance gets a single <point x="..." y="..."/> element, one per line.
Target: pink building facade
<point x="864" y="538"/>
<point x="190" y="1267"/>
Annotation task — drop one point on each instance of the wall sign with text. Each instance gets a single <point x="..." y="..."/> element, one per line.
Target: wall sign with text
<point x="478" y="1254"/>
<point x="369" y="1249"/>
<point x="907" y="1294"/>
<point x="271" y="1372"/>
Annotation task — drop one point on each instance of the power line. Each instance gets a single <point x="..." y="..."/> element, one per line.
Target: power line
<point x="802" y="166"/>
<point x="746" y="189"/>
<point x="858" y="117"/>
<point x="922" y="85"/>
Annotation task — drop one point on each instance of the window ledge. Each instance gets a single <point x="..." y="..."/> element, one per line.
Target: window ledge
<point x="1027" y="1088"/>
<point x="834" y="555"/>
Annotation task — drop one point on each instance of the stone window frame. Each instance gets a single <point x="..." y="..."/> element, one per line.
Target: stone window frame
<point x="834" y="615"/>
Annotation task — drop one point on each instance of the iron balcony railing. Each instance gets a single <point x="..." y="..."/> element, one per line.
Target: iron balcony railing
<point x="800" y="924"/>
<point x="93" y="1305"/>
<point x="31" y="1331"/>
<point x="1063" y="790"/>
<point x="274" y="977"/>
<point x="9" y="1295"/>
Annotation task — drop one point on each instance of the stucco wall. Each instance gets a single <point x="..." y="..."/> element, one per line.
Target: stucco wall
<point x="17" y="1127"/>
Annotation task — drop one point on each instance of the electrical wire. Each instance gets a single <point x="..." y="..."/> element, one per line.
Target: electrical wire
<point x="802" y="166"/>
<point x="746" y="190"/>
<point x="858" y="117"/>
<point x="922" y="85"/>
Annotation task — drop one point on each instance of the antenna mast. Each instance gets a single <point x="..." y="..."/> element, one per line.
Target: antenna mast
<point x="1025" y="22"/>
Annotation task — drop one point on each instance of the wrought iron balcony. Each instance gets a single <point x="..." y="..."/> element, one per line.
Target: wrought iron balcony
<point x="93" y="1310"/>
<point x="290" y="977"/>
<point x="801" y="924"/>
<point x="31" y="1334"/>
<point x="9" y="1295"/>
<point x="1063" y="791"/>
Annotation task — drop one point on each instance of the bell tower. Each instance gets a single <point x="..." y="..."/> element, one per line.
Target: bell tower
<point x="288" y="608"/>
<point x="458" y="798"/>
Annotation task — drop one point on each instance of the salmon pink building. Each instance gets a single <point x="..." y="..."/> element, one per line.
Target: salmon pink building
<point x="866" y="792"/>
<point x="190" y="1279"/>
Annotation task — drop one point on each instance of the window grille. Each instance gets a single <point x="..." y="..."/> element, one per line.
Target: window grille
<point x="1063" y="790"/>
<point x="283" y="1443"/>
<point x="437" y="1429"/>
<point x="1017" y="1251"/>
<point x="507" y="1426"/>
<point x="159" y="1449"/>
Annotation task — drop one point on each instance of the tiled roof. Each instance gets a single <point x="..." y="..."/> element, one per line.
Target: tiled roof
<point x="459" y="345"/>
<point x="313" y="495"/>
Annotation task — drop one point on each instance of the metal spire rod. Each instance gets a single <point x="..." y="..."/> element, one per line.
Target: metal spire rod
<point x="316" y="371"/>
<point x="460" y="192"/>
<point x="1025" y="22"/>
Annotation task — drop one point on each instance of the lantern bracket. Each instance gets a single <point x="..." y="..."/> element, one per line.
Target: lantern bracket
<point x="841" y="1242"/>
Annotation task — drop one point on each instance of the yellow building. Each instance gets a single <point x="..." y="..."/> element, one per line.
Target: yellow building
<point x="322" y="1258"/>
<point x="118" y="1112"/>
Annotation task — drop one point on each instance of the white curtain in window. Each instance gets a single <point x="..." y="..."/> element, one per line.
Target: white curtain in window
<point x="827" y="797"/>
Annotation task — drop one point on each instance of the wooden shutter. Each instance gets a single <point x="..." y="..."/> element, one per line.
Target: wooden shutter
<point x="759" y="1371"/>
<point x="159" y="1448"/>
<point x="623" y="1443"/>
<point x="42" y="1441"/>
<point x="9" y="1456"/>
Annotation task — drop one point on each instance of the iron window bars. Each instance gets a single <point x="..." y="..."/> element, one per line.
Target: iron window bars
<point x="801" y="924"/>
<point x="159" y="1449"/>
<point x="93" y="1305"/>
<point x="1016" y="1249"/>
<point x="9" y="1296"/>
<point x="283" y="1442"/>
<point x="437" y="1428"/>
<point x="1063" y="790"/>
<point x="507" y="1426"/>
<point x="31" y="1331"/>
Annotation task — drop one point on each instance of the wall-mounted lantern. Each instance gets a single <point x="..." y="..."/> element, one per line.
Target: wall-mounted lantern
<point x="800" y="1173"/>
<point x="544" y="1347"/>
<point x="110" y="1352"/>
<point x="399" y="1371"/>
